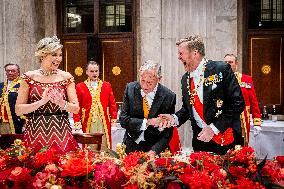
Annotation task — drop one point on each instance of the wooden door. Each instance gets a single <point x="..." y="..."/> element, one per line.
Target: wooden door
<point x="75" y="57"/>
<point x="117" y="65"/>
<point x="266" y="68"/>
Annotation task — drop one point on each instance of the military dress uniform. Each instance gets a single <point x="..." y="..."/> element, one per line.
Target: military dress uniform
<point x="10" y="123"/>
<point x="215" y="100"/>
<point x="252" y="107"/>
<point x="97" y="109"/>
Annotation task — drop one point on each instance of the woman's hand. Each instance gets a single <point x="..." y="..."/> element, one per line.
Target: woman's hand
<point x="57" y="97"/>
<point x="45" y="97"/>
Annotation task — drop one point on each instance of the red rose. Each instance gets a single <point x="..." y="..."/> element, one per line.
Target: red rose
<point x="20" y="174"/>
<point x="130" y="186"/>
<point x="280" y="160"/>
<point x="173" y="185"/>
<point x="238" y="171"/>
<point x="163" y="162"/>
<point x="77" y="167"/>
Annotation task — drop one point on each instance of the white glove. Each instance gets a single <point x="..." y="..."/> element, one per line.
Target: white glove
<point x="256" y="130"/>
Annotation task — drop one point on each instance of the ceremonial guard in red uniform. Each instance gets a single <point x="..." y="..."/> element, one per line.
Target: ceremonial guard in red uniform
<point x="248" y="91"/>
<point x="97" y="105"/>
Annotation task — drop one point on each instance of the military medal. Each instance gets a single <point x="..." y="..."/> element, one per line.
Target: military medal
<point x="219" y="103"/>
<point x="191" y="96"/>
<point x="193" y="92"/>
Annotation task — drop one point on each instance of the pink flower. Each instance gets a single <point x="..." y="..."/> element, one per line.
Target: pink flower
<point x="51" y="168"/>
<point x="109" y="174"/>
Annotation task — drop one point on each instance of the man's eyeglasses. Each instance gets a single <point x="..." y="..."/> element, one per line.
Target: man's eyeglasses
<point x="229" y="62"/>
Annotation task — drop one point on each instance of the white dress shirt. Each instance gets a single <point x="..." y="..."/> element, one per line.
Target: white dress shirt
<point x="94" y="84"/>
<point x="150" y="98"/>
<point x="198" y="81"/>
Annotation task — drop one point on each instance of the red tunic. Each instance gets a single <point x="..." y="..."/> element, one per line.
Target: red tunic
<point x="251" y="102"/>
<point x="107" y="100"/>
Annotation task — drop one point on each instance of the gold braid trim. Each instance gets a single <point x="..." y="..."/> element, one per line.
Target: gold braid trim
<point x="2" y="99"/>
<point x="239" y="77"/>
<point x="88" y="83"/>
<point x="83" y="115"/>
<point x="244" y="128"/>
<point x="242" y="116"/>
<point x="96" y="99"/>
<point x="6" y="102"/>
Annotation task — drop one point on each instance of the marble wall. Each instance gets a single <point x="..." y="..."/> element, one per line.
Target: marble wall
<point x="163" y="22"/>
<point x="21" y="26"/>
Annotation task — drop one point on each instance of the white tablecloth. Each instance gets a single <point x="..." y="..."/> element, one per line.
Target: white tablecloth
<point x="270" y="141"/>
<point x="117" y="134"/>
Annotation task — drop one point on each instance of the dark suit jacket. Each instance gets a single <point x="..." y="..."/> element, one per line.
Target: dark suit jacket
<point x="132" y="115"/>
<point x="12" y="97"/>
<point x="227" y="90"/>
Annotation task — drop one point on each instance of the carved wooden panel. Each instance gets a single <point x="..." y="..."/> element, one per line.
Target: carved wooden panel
<point x="75" y="58"/>
<point x="265" y="64"/>
<point x="117" y="65"/>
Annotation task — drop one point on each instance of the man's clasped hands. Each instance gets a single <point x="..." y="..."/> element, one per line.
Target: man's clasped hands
<point x="167" y="120"/>
<point x="162" y="121"/>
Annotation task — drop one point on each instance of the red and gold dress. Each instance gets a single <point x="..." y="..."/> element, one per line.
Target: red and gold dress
<point x="48" y="125"/>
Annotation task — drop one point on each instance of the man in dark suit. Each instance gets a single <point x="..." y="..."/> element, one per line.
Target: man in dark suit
<point x="212" y="100"/>
<point x="143" y="102"/>
<point x="10" y="123"/>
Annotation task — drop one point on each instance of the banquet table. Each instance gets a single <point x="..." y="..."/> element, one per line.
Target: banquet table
<point x="117" y="134"/>
<point x="269" y="142"/>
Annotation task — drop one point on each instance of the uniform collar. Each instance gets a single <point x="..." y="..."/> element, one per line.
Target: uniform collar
<point x="196" y="73"/>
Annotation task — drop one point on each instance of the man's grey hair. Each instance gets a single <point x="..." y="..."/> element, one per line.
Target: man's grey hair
<point x="232" y="55"/>
<point x="151" y="65"/>
<point x="194" y="42"/>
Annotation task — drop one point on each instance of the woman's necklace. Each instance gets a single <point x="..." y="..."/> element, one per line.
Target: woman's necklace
<point x="193" y="92"/>
<point x="47" y="73"/>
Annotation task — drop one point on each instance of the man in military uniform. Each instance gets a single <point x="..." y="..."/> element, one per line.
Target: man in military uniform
<point x="247" y="87"/>
<point x="10" y="123"/>
<point x="211" y="99"/>
<point x="98" y="110"/>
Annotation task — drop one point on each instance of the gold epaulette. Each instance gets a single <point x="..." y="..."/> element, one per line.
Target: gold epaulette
<point x="256" y="121"/>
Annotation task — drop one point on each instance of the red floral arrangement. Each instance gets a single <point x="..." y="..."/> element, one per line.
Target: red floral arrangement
<point x="239" y="168"/>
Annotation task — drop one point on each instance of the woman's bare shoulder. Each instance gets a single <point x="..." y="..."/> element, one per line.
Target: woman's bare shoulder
<point x="31" y="74"/>
<point x="65" y="75"/>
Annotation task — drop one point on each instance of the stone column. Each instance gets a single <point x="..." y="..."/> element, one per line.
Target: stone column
<point x="150" y="30"/>
<point x="2" y="45"/>
<point x="23" y="23"/>
<point x="50" y="18"/>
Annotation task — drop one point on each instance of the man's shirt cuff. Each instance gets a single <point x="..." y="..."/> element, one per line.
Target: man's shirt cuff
<point x="176" y="119"/>
<point x="215" y="130"/>
<point x="142" y="128"/>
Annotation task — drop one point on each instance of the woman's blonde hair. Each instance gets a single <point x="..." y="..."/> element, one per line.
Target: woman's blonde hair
<point x="47" y="45"/>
